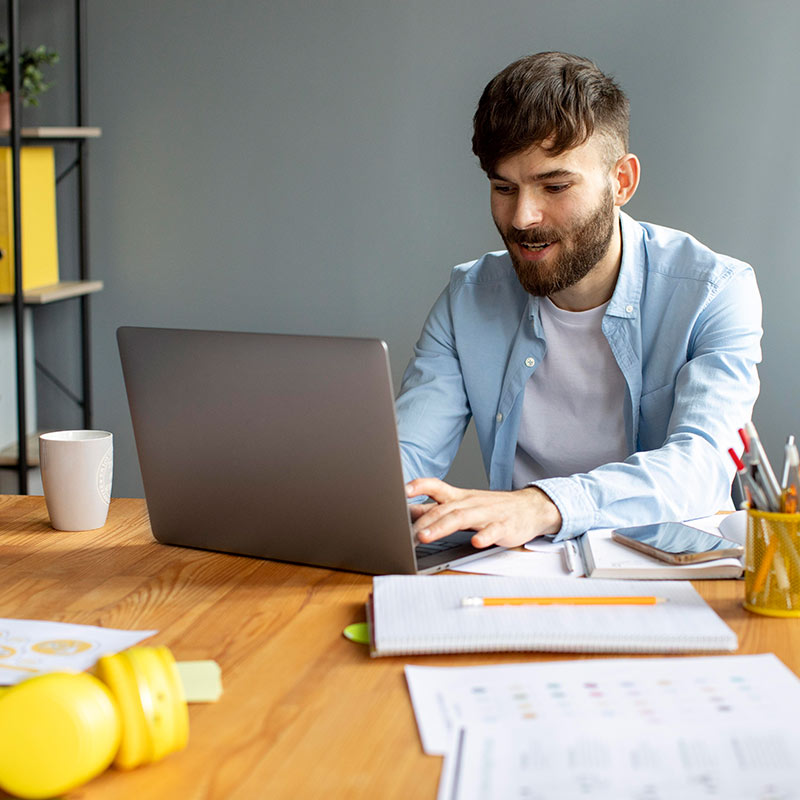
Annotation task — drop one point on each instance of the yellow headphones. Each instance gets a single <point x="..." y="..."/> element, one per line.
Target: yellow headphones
<point x="59" y="730"/>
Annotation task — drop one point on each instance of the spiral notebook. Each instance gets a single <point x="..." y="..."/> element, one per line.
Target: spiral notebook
<point x="414" y="614"/>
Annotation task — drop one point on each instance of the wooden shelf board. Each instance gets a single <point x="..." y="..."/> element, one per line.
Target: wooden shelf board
<point x="57" y="133"/>
<point x="9" y="453"/>
<point x="55" y="292"/>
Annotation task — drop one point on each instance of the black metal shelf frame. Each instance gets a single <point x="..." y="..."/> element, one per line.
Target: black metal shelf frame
<point x="80" y="164"/>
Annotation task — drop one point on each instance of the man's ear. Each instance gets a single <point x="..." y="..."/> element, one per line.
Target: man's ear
<point x="626" y="178"/>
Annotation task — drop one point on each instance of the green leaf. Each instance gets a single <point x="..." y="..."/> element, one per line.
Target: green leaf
<point x="32" y="82"/>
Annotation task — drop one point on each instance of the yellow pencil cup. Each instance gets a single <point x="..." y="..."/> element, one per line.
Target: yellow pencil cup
<point x="58" y="731"/>
<point x="772" y="564"/>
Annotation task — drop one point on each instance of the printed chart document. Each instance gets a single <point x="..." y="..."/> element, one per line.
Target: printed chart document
<point x="740" y="691"/>
<point x="412" y="614"/>
<point x="616" y="761"/>
<point x="30" y="647"/>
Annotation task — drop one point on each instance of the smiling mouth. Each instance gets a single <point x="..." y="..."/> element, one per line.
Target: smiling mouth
<point x="533" y="248"/>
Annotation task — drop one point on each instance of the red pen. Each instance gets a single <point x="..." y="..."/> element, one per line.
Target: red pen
<point x="745" y="439"/>
<point x="757" y="499"/>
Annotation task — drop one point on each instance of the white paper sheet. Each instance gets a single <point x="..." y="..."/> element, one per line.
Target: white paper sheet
<point x="742" y="691"/>
<point x="32" y="647"/>
<point x="619" y="760"/>
<point x="515" y="562"/>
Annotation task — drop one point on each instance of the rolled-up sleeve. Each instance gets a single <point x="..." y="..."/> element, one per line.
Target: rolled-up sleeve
<point x="432" y="408"/>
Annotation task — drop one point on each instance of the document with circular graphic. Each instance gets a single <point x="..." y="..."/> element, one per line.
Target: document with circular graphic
<point x="31" y="647"/>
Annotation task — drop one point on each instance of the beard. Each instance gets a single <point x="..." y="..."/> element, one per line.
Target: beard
<point x="582" y="245"/>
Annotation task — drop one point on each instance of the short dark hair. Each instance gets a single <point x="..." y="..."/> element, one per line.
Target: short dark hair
<point x="551" y="97"/>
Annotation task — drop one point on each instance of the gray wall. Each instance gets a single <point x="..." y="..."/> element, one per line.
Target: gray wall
<point x="304" y="166"/>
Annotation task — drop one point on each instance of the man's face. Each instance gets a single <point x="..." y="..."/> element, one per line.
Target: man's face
<point x="556" y="214"/>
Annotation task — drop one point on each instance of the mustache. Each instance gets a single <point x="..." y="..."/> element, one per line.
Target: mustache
<point x="539" y="236"/>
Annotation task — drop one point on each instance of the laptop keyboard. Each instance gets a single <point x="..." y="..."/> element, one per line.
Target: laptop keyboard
<point x="457" y="539"/>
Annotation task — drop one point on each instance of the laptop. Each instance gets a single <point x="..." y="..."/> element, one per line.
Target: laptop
<point x="276" y="446"/>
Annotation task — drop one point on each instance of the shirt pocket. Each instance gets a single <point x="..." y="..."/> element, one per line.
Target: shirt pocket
<point x="655" y="410"/>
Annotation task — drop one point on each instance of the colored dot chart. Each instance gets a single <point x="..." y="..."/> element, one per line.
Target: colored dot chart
<point x="650" y="691"/>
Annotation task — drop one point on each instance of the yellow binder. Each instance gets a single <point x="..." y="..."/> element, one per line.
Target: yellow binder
<point x="38" y="208"/>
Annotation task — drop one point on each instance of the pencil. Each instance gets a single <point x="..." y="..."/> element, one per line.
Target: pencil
<point x="632" y="600"/>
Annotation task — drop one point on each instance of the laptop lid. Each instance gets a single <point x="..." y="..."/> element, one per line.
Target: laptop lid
<point x="271" y="445"/>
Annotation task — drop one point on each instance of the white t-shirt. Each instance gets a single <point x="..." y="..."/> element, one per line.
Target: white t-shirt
<point x="572" y="416"/>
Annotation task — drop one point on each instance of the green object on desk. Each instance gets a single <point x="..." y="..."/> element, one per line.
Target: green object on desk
<point x="358" y="632"/>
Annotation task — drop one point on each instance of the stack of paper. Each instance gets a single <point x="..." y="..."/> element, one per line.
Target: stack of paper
<point x="659" y="728"/>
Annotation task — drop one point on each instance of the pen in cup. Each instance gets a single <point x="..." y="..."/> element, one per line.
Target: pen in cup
<point x="745" y="440"/>
<point x="760" y="463"/>
<point x="790" y="479"/>
<point x="767" y="561"/>
<point x="756" y="494"/>
<point x="789" y="450"/>
<point x="772" y="501"/>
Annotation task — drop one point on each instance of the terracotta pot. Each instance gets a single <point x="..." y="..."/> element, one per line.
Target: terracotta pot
<point x="5" y="111"/>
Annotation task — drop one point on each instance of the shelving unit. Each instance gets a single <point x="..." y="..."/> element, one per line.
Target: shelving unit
<point x="75" y="136"/>
<point x="63" y="290"/>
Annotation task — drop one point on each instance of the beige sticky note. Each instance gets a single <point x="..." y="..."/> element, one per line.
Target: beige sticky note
<point x="202" y="681"/>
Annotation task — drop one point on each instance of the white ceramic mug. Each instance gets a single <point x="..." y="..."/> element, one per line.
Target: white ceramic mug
<point x="77" y="468"/>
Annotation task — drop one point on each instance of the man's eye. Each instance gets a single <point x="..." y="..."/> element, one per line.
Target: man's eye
<point x="555" y="188"/>
<point x="502" y="188"/>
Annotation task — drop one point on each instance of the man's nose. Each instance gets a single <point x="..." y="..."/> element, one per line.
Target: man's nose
<point x="528" y="211"/>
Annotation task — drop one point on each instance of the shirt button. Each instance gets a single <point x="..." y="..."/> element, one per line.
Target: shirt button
<point x="629" y="309"/>
<point x="499" y="417"/>
<point x="529" y="362"/>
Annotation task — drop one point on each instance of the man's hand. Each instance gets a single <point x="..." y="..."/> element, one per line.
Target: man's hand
<point x="505" y="518"/>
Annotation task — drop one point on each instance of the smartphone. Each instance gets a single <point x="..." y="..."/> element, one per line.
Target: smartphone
<point x="677" y="543"/>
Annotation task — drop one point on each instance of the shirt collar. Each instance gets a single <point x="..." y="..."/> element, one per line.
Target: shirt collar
<point x="628" y="291"/>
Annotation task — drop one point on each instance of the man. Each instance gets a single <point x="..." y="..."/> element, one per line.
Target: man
<point x="607" y="363"/>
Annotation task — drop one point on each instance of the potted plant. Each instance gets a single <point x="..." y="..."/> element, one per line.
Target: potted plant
<point x="31" y="78"/>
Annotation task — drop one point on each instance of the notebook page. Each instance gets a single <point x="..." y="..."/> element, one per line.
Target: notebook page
<point x="423" y="614"/>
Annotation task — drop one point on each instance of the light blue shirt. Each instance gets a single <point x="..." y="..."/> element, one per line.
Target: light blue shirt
<point x="684" y="325"/>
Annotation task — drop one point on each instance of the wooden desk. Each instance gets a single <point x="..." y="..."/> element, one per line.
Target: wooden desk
<point x="305" y="713"/>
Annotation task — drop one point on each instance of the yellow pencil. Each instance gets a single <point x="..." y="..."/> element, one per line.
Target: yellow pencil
<point x="633" y="600"/>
